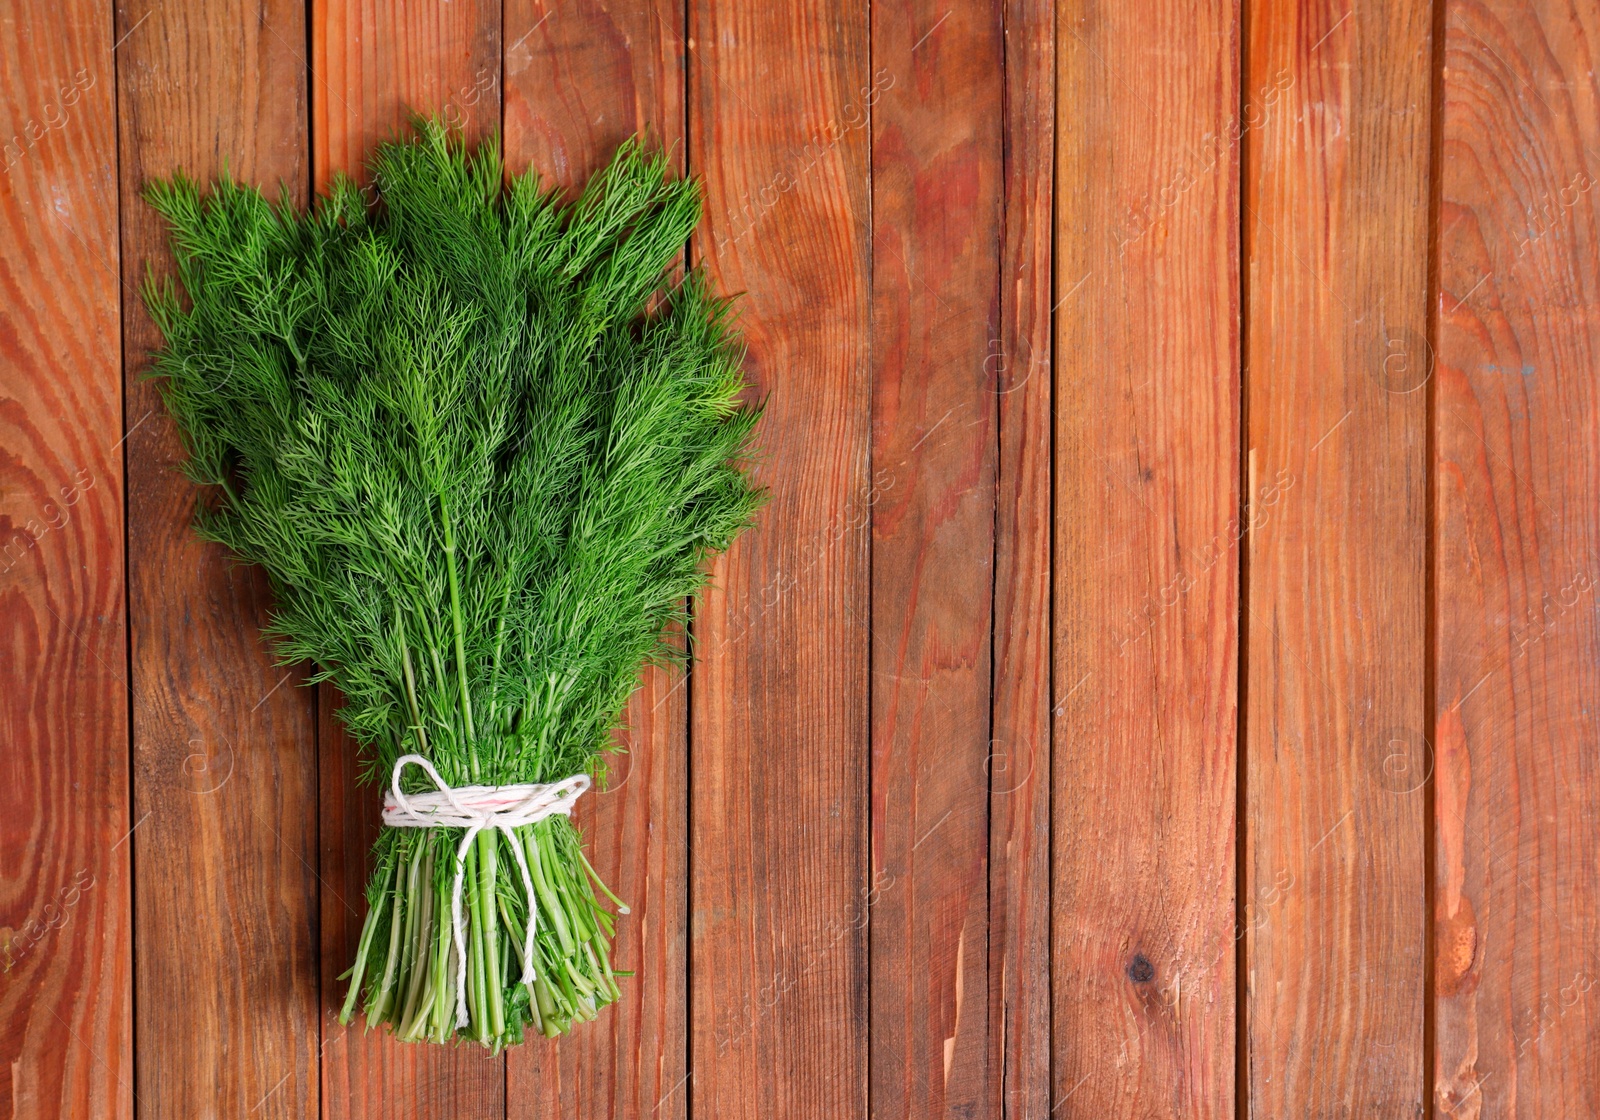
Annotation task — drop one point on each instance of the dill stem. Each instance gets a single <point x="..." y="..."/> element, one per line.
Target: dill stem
<point x="488" y="841"/>
<point x="444" y="1006"/>
<point x="547" y="1008"/>
<point x="605" y="967"/>
<point x="514" y="929"/>
<point x="408" y="942"/>
<point x="541" y="887"/>
<point x="419" y="935"/>
<point x="461" y="634"/>
<point x="622" y="907"/>
<point x="411" y="680"/>
<point x="385" y="993"/>
<point x="358" y="972"/>
<point x="494" y="672"/>
<point x="476" y="1015"/>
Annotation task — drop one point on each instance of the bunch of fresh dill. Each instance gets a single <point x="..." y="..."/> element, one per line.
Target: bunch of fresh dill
<point x="482" y="447"/>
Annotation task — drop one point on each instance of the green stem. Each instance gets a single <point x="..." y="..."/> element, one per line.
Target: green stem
<point x="359" y="970"/>
<point x="475" y="1016"/>
<point x="547" y="1008"/>
<point x="488" y="842"/>
<point x="420" y="938"/>
<point x="564" y="979"/>
<point x="499" y="643"/>
<point x="411" y="681"/>
<point x="541" y="886"/>
<point x="380" y="1000"/>
<point x="515" y="930"/>
<point x="461" y="634"/>
<point x="622" y="907"/>
<point x="444" y="1007"/>
<point x="408" y="941"/>
<point x="605" y="967"/>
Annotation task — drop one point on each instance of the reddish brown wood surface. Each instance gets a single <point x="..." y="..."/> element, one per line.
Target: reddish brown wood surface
<point x="581" y="77"/>
<point x="372" y="64"/>
<point x="937" y="189"/>
<point x="1018" y="770"/>
<point x="65" y="929"/>
<point x="1517" y="810"/>
<point x="1336" y="369"/>
<point x="1097" y="348"/>
<point x="1146" y="607"/>
<point x="779" y="732"/>
<point x="224" y="739"/>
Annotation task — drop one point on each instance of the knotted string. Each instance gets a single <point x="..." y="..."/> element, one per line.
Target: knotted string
<point x="476" y="808"/>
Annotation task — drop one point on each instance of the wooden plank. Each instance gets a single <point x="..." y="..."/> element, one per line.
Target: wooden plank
<point x="937" y="126"/>
<point x="580" y="78"/>
<point x="1147" y="423"/>
<point x="1019" y="756"/>
<point x="372" y="62"/>
<point x="1336" y="366"/>
<point x="225" y="768"/>
<point x="65" y="930"/>
<point x="779" y="717"/>
<point x="1517" y="808"/>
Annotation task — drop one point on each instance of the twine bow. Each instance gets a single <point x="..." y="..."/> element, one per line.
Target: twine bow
<point x="476" y="808"/>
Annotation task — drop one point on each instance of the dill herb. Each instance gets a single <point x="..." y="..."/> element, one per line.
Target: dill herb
<point x="482" y="446"/>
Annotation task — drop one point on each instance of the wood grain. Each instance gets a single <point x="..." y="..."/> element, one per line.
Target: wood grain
<point x="1146" y="604"/>
<point x="372" y="62"/>
<point x="65" y="931"/>
<point x="1517" y="809"/>
<point x="225" y="760"/>
<point x="1336" y="228"/>
<point x="779" y="715"/>
<point x="937" y="133"/>
<point x="944" y="822"/>
<point x="1019" y="755"/>
<point x="581" y="77"/>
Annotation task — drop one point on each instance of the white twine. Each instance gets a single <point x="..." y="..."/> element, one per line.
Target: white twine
<point x="476" y="808"/>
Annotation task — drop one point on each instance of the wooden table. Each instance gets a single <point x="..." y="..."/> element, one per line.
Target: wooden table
<point x="1164" y="682"/>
